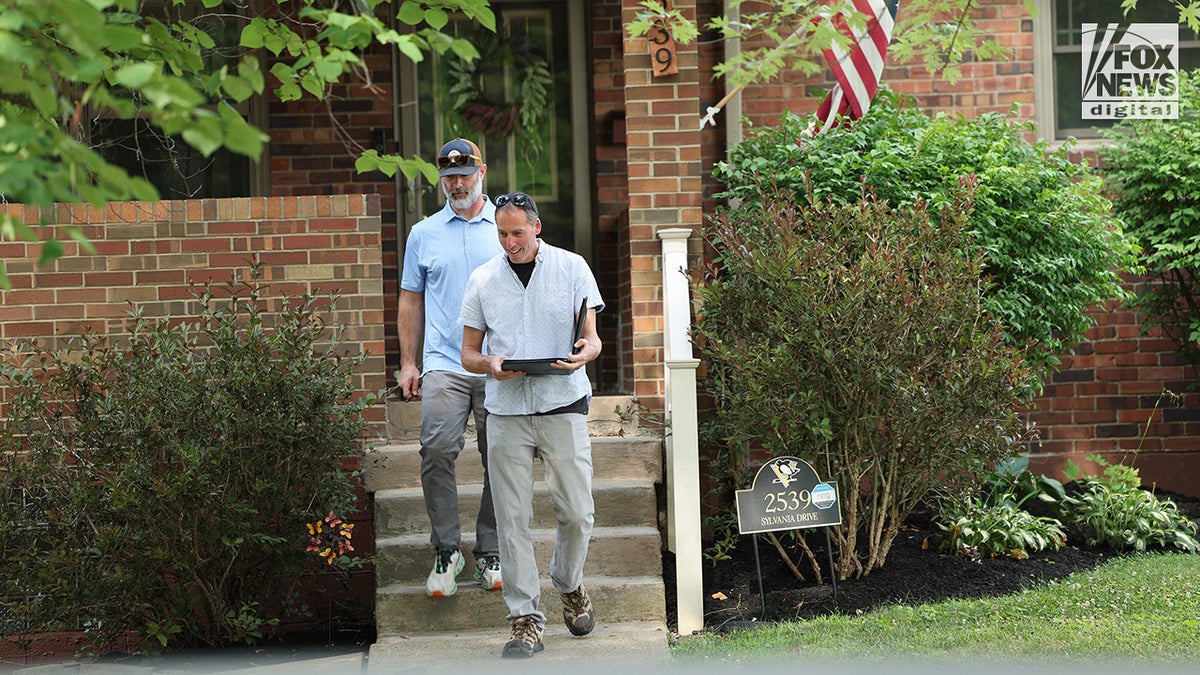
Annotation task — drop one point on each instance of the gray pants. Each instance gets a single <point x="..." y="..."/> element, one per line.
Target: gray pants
<point x="562" y="443"/>
<point x="447" y="399"/>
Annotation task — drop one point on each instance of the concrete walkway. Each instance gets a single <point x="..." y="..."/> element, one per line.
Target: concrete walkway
<point x="643" y="646"/>
<point x="629" y="644"/>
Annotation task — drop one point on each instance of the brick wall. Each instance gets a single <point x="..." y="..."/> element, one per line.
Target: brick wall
<point x="148" y="254"/>
<point x="664" y="168"/>
<point x="1104" y="395"/>
<point x="985" y="86"/>
<point x="1109" y="394"/>
<point x="611" y="186"/>
<point x="312" y="151"/>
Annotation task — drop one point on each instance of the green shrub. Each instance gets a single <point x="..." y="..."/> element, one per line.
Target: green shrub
<point x="1112" y="509"/>
<point x="1152" y="168"/>
<point x="162" y="482"/>
<point x="993" y="520"/>
<point x="1052" y="249"/>
<point x="854" y="337"/>
<point x="976" y="528"/>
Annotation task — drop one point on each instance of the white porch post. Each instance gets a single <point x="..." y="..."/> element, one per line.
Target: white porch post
<point x="683" y="461"/>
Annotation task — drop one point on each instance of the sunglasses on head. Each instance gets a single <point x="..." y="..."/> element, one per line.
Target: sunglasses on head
<point x="518" y="199"/>
<point x="458" y="160"/>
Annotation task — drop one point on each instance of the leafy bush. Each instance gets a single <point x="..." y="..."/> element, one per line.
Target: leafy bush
<point x="1112" y="509"/>
<point x="1153" y="170"/>
<point x="163" y="482"/>
<point x="975" y="528"/>
<point x="854" y="337"/>
<point x="1052" y="249"/>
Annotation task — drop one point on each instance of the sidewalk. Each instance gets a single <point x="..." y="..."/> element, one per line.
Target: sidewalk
<point x="635" y="645"/>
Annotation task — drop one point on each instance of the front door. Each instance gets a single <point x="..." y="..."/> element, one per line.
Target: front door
<point x="524" y="103"/>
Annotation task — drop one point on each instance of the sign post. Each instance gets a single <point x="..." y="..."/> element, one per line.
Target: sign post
<point x="787" y="494"/>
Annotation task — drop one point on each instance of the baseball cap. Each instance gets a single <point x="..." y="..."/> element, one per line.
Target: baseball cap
<point x="459" y="157"/>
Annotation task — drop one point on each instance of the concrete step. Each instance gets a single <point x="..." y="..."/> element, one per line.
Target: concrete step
<point x="405" y="610"/>
<point x="613" y="551"/>
<point x="624" y="566"/>
<point x="401" y="512"/>
<point x="617" y="457"/>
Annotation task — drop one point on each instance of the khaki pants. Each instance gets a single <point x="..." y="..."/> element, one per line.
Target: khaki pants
<point x="561" y="442"/>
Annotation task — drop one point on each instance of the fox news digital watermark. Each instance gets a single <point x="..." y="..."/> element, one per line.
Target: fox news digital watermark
<point x="1130" y="71"/>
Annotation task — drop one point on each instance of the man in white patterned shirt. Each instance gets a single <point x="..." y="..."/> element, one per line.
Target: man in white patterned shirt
<point x="524" y="304"/>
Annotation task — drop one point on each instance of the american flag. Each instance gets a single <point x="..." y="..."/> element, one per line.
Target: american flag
<point x="858" y="71"/>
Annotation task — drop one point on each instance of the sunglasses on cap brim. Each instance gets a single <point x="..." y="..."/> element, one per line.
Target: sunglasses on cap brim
<point x="459" y="161"/>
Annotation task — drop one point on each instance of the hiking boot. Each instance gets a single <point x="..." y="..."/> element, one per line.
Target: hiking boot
<point x="526" y="638"/>
<point x="447" y="563"/>
<point x="577" y="611"/>
<point x="487" y="572"/>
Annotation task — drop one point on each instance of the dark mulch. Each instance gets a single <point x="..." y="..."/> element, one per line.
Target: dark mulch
<point x="914" y="573"/>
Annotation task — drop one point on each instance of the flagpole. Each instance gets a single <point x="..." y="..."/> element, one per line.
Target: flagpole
<point x="710" y="117"/>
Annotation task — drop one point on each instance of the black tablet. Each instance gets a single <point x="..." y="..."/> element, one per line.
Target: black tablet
<point x="535" y="366"/>
<point x="542" y="366"/>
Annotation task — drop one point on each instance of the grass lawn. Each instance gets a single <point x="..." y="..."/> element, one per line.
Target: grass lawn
<point x="1141" y="608"/>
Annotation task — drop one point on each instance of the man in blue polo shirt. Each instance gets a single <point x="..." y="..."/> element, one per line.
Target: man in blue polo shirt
<point x="439" y="256"/>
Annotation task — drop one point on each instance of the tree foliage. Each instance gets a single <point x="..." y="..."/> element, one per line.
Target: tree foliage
<point x="781" y="36"/>
<point x="66" y="62"/>
<point x="778" y="36"/>
<point x="1152" y="168"/>
<point x="1052" y="248"/>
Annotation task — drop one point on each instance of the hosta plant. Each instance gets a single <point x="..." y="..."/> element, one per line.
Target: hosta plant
<point x="1112" y="509"/>
<point x="977" y="529"/>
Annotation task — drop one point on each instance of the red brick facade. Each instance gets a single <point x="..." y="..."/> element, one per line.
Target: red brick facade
<point x="150" y="254"/>
<point x="1103" y="396"/>
<point x="1108" y="399"/>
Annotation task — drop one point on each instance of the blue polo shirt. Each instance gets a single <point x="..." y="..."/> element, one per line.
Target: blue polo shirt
<point x="439" y="256"/>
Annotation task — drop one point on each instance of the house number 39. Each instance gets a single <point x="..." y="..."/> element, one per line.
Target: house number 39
<point x="662" y="52"/>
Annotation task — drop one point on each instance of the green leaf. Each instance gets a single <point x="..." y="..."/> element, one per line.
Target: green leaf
<point x="411" y="12"/>
<point x="436" y="18"/>
<point x="52" y="249"/>
<point x="240" y="136"/>
<point x="204" y="136"/>
<point x="135" y="75"/>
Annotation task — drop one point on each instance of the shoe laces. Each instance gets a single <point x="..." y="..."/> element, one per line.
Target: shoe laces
<point x="444" y="556"/>
<point x="490" y="562"/>
<point x="577" y="601"/>
<point x="526" y="630"/>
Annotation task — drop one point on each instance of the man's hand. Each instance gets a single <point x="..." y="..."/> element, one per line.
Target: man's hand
<point x="410" y="382"/>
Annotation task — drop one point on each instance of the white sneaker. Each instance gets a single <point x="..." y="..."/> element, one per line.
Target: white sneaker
<point x="487" y="572"/>
<point x="447" y="563"/>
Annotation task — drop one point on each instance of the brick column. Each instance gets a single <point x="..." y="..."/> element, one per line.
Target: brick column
<point x="665" y="190"/>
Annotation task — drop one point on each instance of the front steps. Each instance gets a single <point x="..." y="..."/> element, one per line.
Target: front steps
<point x="624" y="569"/>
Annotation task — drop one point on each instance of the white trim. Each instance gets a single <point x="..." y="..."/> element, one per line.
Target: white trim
<point x="580" y="147"/>
<point x="1044" y="103"/>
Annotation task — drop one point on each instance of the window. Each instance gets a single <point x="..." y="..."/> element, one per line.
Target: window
<point x="1059" y="60"/>
<point x="176" y="169"/>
